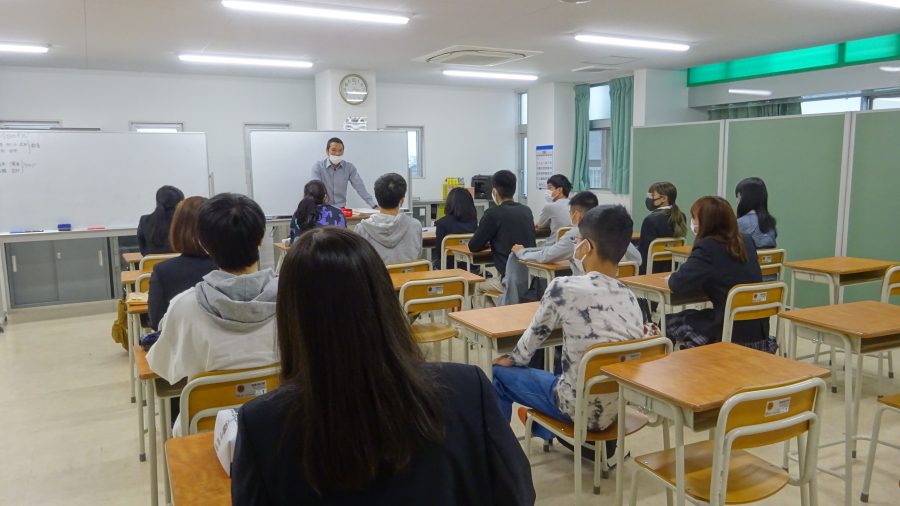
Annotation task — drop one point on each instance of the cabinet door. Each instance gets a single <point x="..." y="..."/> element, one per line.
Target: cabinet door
<point x="32" y="273"/>
<point x="82" y="270"/>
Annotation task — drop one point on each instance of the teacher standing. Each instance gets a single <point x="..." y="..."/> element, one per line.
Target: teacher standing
<point x="336" y="172"/>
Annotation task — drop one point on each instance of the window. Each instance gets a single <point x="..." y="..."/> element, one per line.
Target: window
<point x="522" y="146"/>
<point x="600" y="106"/>
<point x="156" y="128"/>
<point x="523" y="108"/>
<point x="598" y="158"/>
<point x="416" y="158"/>
<point x="29" y="125"/>
<point x="850" y="104"/>
<point x="881" y="103"/>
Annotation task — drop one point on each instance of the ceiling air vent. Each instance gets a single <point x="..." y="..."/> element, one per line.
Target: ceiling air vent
<point x="594" y="68"/>
<point x="474" y="56"/>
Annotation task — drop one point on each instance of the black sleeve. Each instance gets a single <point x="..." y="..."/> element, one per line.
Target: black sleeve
<point x="648" y="235"/>
<point x="691" y="275"/>
<point x="246" y="478"/>
<point x="141" y="236"/>
<point x="509" y="467"/>
<point x="486" y="231"/>
<point x="157" y="303"/>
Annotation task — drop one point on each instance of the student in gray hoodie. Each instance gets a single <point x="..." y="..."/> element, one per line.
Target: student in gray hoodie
<point x="395" y="236"/>
<point x="227" y="320"/>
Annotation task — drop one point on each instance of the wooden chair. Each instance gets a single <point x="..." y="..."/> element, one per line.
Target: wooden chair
<point x="754" y="301"/>
<point x="561" y="232"/>
<point x="627" y="269"/>
<point x="771" y="262"/>
<point x="657" y="250"/>
<point x="721" y="471"/>
<point x="890" y="288"/>
<point x="436" y="297"/>
<point x="416" y="266"/>
<point x="891" y="404"/>
<point x="207" y="394"/>
<point x="592" y="383"/>
<point x="452" y="240"/>
<point x="149" y="261"/>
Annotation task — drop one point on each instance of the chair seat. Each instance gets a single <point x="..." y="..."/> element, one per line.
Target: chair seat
<point x="634" y="421"/>
<point x="433" y="332"/>
<point x="750" y="478"/>
<point x="892" y="401"/>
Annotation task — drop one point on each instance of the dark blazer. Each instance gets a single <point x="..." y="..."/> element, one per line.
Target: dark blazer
<point x="146" y="246"/>
<point x="171" y="277"/>
<point x="479" y="463"/>
<point x="449" y="225"/>
<point x="655" y="225"/>
<point x="710" y="268"/>
<point x="502" y="227"/>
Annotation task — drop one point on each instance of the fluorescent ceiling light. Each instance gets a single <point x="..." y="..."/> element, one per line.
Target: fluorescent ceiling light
<point x="22" y="48"/>
<point x="490" y="75"/>
<point x="236" y="60"/>
<point x="315" y="12"/>
<point x="625" y="42"/>
<point x="890" y="69"/>
<point x="885" y="3"/>
<point x="758" y="93"/>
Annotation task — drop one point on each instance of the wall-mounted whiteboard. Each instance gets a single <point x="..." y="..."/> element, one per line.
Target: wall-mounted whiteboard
<point x="281" y="164"/>
<point x="93" y="179"/>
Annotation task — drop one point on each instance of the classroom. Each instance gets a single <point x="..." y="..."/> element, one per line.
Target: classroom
<point x="511" y="252"/>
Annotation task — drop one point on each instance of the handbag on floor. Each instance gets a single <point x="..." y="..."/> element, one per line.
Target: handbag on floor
<point x="120" y="325"/>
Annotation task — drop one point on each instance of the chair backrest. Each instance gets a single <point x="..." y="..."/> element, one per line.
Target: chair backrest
<point x="753" y="301"/>
<point x="452" y="240"/>
<point x="627" y="269"/>
<point x="416" y="266"/>
<point x="592" y="381"/>
<point x="149" y="261"/>
<point x="434" y="295"/>
<point x="771" y="262"/>
<point x="768" y="415"/>
<point x="657" y="250"/>
<point x="891" y="284"/>
<point x="211" y="392"/>
<point x="561" y="232"/>
<point x="142" y="283"/>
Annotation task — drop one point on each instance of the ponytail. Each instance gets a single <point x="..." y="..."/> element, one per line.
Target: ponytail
<point x="307" y="214"/>
<point x="677" y="221"/>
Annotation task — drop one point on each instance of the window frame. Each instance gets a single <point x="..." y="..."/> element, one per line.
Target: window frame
<point x="601" y="125"/>
<point x="154" y="127"/>
<point x="420" y="148"/>
<point x="522" y="144"/>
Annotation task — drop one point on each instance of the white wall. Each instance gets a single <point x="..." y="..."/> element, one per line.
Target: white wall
<point x="468" y="131"/>
<point x="661" y="98"/>
<point x="551" y="121"/>
<point x="332" y="110"/>
<point x="217" y="105"/>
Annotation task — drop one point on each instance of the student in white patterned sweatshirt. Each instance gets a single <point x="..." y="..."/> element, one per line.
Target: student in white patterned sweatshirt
<point x="591" y="309"/>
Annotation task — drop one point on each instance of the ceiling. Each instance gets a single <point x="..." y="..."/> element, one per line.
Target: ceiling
<point x="146" y="35"/>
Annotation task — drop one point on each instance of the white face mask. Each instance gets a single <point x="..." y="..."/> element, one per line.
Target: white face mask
<point x="495" y="197"/>
<point x="335" y="159"/>
<point x="579" y="262"/>
<point x="548" y="195"/>
<point x="695" y="228"/>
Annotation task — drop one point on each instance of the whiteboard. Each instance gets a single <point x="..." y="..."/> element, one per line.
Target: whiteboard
<point x="281" y="164"/>
<point x="93" y="179"/>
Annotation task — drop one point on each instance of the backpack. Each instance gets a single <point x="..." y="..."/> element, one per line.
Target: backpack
<point x="120" y="325"/>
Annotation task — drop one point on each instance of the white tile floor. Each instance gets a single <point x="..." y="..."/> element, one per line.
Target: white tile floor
<point x="68" y="431"/>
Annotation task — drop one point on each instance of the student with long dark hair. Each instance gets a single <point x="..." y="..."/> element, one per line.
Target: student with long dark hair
<point x="360" y="417"/>
<point x="153" y="228"/>
<point x="665" y="220"/>
<point x="314" y="211"/>
<point x="753" y="212"/>
<point x="721" y="259"/>
<point x="460" y="217"/>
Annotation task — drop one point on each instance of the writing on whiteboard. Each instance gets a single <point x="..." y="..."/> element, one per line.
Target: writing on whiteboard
<point x="16" y="149"/>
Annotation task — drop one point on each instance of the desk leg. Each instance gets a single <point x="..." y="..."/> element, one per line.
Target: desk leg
<point x="680" y="495"/>
<point x="142" y="450"/>
<point x="164" y="423"/>
<point x="151" y="421"/>
<point x="132" y="368"/>
<point x="849" y="425"/>
<point x="487" y="357"/>
<point x="858" y="372"/>
<point x="620" y="450"/>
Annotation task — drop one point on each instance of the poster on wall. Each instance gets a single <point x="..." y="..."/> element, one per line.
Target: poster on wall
<point x="543" y="165"/>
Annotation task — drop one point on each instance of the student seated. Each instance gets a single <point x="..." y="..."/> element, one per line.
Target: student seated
<point x="555" y="213"/>
<point x="460" y="217"/>
<point x="517" y="272"/>
<point x="396" y="236"/>
<point x="175" y="275"/>
<point x="753" y="212"/>
<point x="360" y="417"/>
<point x="590" y="309"/>
<point x="314" y="211"/>
<point x="501" y="227"/>
<point x="153" y="228"/>
<point x="665" y="220"/>
<point x="721" y="259"/>
<point x="227" y="321"/>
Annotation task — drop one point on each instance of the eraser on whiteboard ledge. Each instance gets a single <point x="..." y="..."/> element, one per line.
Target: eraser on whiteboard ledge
<point x="64" y="227"/>
<point x="96" y="228"/>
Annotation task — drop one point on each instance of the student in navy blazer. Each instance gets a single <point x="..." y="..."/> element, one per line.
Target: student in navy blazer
<point x="360" y="418"/>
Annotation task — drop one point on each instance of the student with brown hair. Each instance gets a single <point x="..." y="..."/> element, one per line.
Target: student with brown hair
<point x="721" y="259"/>
<point x="665" y="220"/>
<point x="360" y="417"/>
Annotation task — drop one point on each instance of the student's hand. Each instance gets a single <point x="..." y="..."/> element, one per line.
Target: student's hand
<point x="517" y="248"/>
<point x="504" y="361"/>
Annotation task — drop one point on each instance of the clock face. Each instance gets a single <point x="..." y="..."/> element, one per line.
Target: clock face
<point x="354" y="89"/>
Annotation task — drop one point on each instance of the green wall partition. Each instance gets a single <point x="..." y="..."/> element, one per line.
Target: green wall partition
<point x="874" y="231"/>
<point x="800" y="160"/>
<point x="686" y="155"/>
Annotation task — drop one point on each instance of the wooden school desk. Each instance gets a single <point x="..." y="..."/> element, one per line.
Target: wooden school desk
<point x="680" y="255"/>
<point x="132" y="260"/>
<point x="401" y="278"/>
<point x="462" y="253"/>
<point x="129" y="278"/>
<point x="547" y="271"/>
<point x="497" y="330"/>
<point x="196" y="475"/>
<point x="836" y="273"/>
<point x="635" y="236"/>
<point x="429" y="237"/>
<point x="689" y="387"/>
<point x="135" y="309"/>
<point x="858" y="328"/>
<point x="282" y="250"/>
<point x="655" y="288"/>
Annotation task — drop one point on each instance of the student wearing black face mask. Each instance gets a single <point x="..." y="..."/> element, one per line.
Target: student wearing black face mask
<point x="665" y="220"/>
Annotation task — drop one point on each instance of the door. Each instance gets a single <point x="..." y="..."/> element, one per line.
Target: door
<point x="32" y="273"/>
<point x="82" y="270"/>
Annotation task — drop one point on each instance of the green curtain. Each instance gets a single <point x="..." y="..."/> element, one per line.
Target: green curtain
<point x="621" y="97"/>
<point x="739" y="111"/>
<point x="581" y="176"/>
